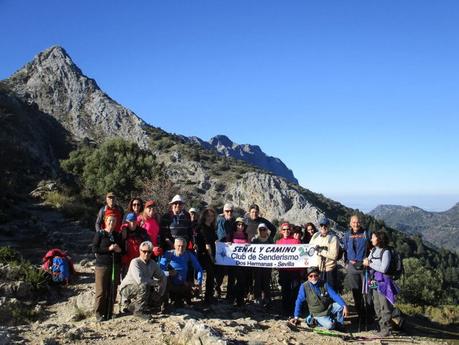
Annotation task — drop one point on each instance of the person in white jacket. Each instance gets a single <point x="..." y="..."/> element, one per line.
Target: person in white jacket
<point x="326" y="245"/>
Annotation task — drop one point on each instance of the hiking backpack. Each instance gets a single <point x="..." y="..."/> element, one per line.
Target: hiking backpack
<point x="396" y="264"/>
<point x="60" y="271"/>
<point x="395" y="269"/>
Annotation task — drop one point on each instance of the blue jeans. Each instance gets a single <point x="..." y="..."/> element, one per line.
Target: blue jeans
<point x="335" y="315"/>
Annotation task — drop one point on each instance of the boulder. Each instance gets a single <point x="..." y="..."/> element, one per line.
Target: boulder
<point x="197" y="333"/>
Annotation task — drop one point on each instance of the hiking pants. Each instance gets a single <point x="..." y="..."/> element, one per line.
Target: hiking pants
<point x="335" y="315"/>
<point x="383" y="310"/>
<point x="209" y="267"/>
<point x="103" y="277"/>
<point x="177" y="293"/>
<point x="140" y="295"/>
<point x="262" y="283"/>
<point x="331" y="277"/>
<point x="289" y="282"/>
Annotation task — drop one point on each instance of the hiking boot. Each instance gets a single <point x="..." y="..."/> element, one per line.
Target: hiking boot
<point x="340" y="328"/>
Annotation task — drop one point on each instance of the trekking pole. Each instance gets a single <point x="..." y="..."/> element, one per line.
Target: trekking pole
<point x="365" y="296"/>
<point x="112" y="290"/>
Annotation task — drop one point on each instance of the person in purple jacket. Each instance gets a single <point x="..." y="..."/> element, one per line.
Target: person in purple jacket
<point x="386" y="291"/>
<point x="326" y="307"/>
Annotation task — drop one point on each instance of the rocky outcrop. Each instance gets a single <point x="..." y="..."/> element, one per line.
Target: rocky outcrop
<point x="251" y="154"/>
<point x="59" y="88"/>
<point x="275" y="198"/>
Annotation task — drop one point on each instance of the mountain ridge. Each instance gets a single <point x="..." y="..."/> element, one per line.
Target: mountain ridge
<point x="439" y="228"/>
<point x="252" y="154"/>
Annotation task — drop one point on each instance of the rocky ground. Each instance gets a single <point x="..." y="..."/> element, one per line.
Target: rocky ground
<point x="65" y="314"/>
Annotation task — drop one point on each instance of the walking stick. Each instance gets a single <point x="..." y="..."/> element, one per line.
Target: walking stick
<point x="365" y="296"/>
<point x="112" y="290"/>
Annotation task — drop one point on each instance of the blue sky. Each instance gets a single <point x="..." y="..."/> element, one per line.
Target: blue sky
<point x="359" y="98"/>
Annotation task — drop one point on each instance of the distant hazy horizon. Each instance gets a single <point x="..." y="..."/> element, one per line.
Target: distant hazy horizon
<point x="366" y="203"/>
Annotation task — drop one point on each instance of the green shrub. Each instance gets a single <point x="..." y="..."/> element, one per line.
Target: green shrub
<point x="445" y="314"/>
<point x="57" y="199"/>
<point x="23" y="269"/>
<point x="116" y="165"/>
<point x="8" y="255"/>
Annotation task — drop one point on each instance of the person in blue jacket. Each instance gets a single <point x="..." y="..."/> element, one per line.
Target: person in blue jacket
<point x="326" y="308"/>
<point x="174" y="264"/>
<point x="356" y="243"/>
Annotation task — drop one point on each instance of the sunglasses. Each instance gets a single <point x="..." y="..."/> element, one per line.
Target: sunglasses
<point x="145" y="251"/>
<point x="110" y="197"/>
<point x="136" y="204"/>
<point x="313" y="275"/>
<point x="229" y="211"/>
<point x="264" y="229"/>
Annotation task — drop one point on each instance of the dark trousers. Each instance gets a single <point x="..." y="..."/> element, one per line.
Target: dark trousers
<point x="331" y="277"/>
<point x="383" y="310"/>
<point x="289" y="282"/>
<point x="363" y="304"/>
<point x="238" y="288"/>
<point x="262" y="283"/>
<point x="177" y="293"/>
<point x="209" y="267"/>
<point x="105" y="297"/>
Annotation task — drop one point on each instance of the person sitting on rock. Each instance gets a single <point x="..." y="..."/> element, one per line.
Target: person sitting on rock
<point x="326" y="307"/>
<point x="145" y="283"/>
<point x="174" y="264"/>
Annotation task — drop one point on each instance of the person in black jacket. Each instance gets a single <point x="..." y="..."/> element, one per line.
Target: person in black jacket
<point x="107" y="245"/>
<point x="205" y="242"/>
<point x="176" y="224"/>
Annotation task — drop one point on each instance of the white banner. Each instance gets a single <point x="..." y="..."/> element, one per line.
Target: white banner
<point x="266" y="255"/>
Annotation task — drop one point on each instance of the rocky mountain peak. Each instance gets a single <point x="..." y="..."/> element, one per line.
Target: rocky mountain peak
<point x="221" y="140"/>
<point x="58" y="87"/>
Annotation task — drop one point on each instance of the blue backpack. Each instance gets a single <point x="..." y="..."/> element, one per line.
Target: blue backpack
<point x="60" y="270"/>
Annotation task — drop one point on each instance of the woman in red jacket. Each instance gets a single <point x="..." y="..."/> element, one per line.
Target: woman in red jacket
<point x="289" y="278"/>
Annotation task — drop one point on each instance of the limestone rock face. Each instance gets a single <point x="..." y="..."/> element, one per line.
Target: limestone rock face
<point x="60" y="89"/>
<point x="275" y="197"/>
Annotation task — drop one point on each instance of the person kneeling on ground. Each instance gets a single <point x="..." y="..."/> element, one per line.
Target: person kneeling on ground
<point x="144" y="284"/>
<point x="174" y="264"/>
<point x="326" y="308"/>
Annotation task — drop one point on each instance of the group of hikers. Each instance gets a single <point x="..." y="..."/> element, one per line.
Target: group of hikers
<point x="159" y="262"/>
